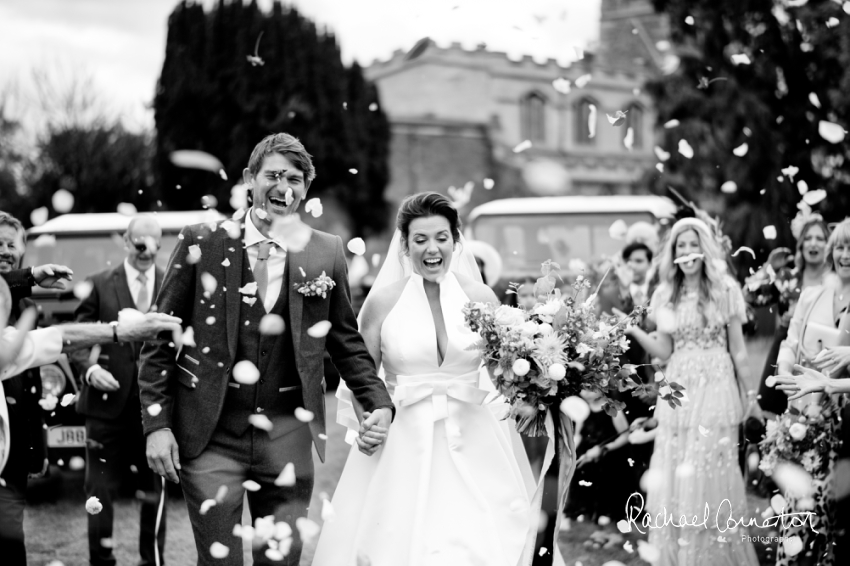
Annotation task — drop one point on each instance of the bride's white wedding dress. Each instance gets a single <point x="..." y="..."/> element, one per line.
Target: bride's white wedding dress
<point x="446" y="488"/>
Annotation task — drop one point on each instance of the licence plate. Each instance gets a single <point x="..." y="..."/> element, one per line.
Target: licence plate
<point x="66" y="437"/>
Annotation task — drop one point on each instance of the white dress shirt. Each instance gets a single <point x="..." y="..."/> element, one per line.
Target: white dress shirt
<point x="136" y="286"/>
<point x="41" y="347"/>
<point x="639" y="292"/>
<point x="276" y="261"/>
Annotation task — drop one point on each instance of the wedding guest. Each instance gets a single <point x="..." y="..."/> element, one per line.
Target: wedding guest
<point x="109" y="398"/>
<point x="813" y="328"/>
<point x="783" y="292"/>
<point x="698" y="314"/>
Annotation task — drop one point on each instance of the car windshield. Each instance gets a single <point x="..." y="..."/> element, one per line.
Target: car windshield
<point x="87" y="254"/>
<point x="524" y="241"/>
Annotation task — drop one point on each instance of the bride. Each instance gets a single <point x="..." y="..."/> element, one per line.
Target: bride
<point x="447" y="487"/>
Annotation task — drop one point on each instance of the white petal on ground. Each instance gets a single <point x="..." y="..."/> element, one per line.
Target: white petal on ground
<point x="246" y="373"/>
<point x="320" y="329"/>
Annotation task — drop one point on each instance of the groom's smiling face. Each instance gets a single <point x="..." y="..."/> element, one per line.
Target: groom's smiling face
<point x="278" y="189"/>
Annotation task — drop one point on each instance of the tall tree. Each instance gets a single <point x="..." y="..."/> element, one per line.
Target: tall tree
<point x="762" y="73"/>
<point x="212" y="97"/>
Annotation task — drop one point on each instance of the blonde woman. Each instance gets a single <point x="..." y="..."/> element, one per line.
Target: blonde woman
<point x="698" y="311"/>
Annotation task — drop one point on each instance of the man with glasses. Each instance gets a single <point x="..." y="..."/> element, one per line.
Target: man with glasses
<point x="115" y="446"/>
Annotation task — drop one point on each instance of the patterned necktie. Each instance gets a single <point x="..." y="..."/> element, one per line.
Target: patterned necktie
<point x="143" y="301"/>
<point x="261" y="269"/>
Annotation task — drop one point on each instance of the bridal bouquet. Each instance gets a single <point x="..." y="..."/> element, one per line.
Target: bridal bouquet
<point x="803" y="438"/>
<point x="541" y="357"/>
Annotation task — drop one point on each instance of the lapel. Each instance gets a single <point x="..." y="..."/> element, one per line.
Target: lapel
<point x="296" y="261"/>
<point x="233" y="280"/>
<point x="122" y="288"/>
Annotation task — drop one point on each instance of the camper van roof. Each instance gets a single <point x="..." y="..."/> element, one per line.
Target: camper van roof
<point x="116" y="222"/>
<point x="660" y="207"/>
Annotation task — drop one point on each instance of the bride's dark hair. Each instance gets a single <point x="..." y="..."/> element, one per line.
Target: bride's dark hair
<point x="422" y="205"/>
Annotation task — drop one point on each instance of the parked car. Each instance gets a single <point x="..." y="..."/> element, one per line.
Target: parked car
<point x="528" y="231"/>
<point x="87" y="243"/>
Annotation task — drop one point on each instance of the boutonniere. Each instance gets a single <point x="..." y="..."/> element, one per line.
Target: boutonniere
<point x="317" y="287"/>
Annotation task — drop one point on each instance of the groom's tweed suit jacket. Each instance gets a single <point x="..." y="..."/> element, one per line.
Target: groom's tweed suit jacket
<point x="191" y="387"/>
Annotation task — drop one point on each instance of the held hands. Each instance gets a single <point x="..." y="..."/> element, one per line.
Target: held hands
<point x="797" y="386"/>
<point x="50" y="276"/>
<point x="163" y="455"/>
<point x="373" y="430"/>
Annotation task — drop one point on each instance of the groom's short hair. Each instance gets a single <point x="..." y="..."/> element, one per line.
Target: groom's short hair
<point x="288" y="146"/>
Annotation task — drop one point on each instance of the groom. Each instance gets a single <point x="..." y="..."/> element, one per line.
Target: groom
<point x="242" y="407"/>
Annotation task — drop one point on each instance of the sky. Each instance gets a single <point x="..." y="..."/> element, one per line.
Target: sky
<point x="120" y="44"/>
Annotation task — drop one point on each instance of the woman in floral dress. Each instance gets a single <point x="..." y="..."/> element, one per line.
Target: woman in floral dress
<point x="781" y="291"/>
<point x="698" y="313"/>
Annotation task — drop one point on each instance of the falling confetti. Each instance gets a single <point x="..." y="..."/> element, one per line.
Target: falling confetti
<point x="792" y="545"/>
<point x="741" y="59"/>
<point x="255" y="59"/>
<point x="562" y="85"/>
<point x="286" y="477"/>
<point x="307" y="528"/>
<point x="272" y="325"/>
<point x="353" y="171"/>
<point x="744" y="249"/>
<point x="194" y="159"/>
<point x="314" y="207"/>
<point x="373" y="107"/>
<point x="83" y="289"/>
<point x="813" y="197"/>
<point x="461" y="196"/>
<point x="790" y="171"/>
<point x="661" y="154"/>
<point x="246" y="373"/>
<point x="303" y="414"/>
<point x="729" y="187"/>
<point x="623" y="526"/>
<point x="194" y="254"/>
<point x="802" y="187"/>
<point x="207" y="505"/>
<point x="685" y="149"/>
<point x="94" y="506"/>
<point x="67" y="399"/>
<point x="575" y="408"/>
<point x="127" y="209"/>
<point x="154" y="410"/>
<point x="741" y="150"/>
<point x="704" y="431"/>
<point x="49" y="403"/>
<point x="63" y="201"/>
<point x="320" y="329"/>
<point x="357" y="246"/>
<point x="76" y="463"/>
<point x="251" y="485"/>
<point x="648" y="552"/>
<point x="769" y="232"/>
<point x="261" y="422"/>
<point x="219" y="551"/>
<point x="618" y="229"/>
<point x="209" y="283"/>
<point x="582" y="81"/>
<point x="522" y="146"/>
<point x="249" y="288"/>
<point x="489" y="184"/>
<point x="618" y="119"/>
<point x="671" y="124"/>
<point x="209" y="201"/>
<point x="813" y="98"/>
<point x="831" y="132"/>
<point x="689" y="20"/>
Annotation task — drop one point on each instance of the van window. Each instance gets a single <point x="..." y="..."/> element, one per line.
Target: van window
<point x="526" y="240"/>
<point x="87" y="254"/>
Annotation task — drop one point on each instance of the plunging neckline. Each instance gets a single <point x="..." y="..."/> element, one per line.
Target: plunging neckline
<point x="440" y="297"/>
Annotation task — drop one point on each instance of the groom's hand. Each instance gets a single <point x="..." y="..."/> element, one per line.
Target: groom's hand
<point x="163" y="455"/>
<point x="373" y="430"/>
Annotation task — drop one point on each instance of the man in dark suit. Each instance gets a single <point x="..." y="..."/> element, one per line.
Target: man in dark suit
<point x="109" y="399"/>
<point x="242" y="408"/>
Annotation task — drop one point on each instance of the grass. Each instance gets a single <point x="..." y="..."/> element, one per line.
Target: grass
<point x="57" y="530"/>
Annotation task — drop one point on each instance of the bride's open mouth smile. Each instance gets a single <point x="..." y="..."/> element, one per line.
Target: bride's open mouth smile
<point x="433" y="263"/>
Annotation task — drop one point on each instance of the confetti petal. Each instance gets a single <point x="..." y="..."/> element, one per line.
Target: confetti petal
<point x="357" y="246"/>
<point x="286" y="477"/>
<point x="209" y="283"/>
<point x="792" y="545"/>
<point x="623" y="526"/>
<point x="194" y="254"/>
<point x="261" y="422"/>
<point x="489" y="184"/>
<point x="685" y="149"/>
<point x="522" y="146"/>
<point x="802" y="187"/>
<point x="63" y="201"/>
<point x="813" y="197"/>
<point x="741" y="59"/>
<point x="671" y="124"/>
<point x="562" y="85"/>
<point x="618" y="230"/>
<point x="272" y="325"/>
<point x="194" y="159"/>
<point x="249" y="289"/>
<point x="251" y="485"/>
<point x="769" y="232"/>
<point x="582" y="81"/>
<point x="154" y="409"/>
<point x="207" y="505"/>
<point x="314" y="207"/>
<point x="39" y="216"/>
<point x="661" y="154"/>
<point x="741" y="150"/>
<point x="307" y="528"/>
<point x="127" y="209"/>
<point x="790" y="171"/>
<point x="729" y="187"/>
<point x="831" y="132"/>
<point x="83" y="289"/>
<point x="67" y="399"/>
<point x="813" y="98"/>
<point x="575" y="408"/>
<point x="219" y="551"/>
<point x="246" y="373"/>
<point x="648" y="552"/>
<point x="304" y="415"/>
<point x="93" y="506"/>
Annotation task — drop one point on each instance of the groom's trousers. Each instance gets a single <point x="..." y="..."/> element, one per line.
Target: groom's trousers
<point x="229" y="460"/>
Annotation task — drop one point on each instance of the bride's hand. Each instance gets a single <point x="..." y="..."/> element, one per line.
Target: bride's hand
<point x="374" y="430"/>
<point x="797" y="386"/>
